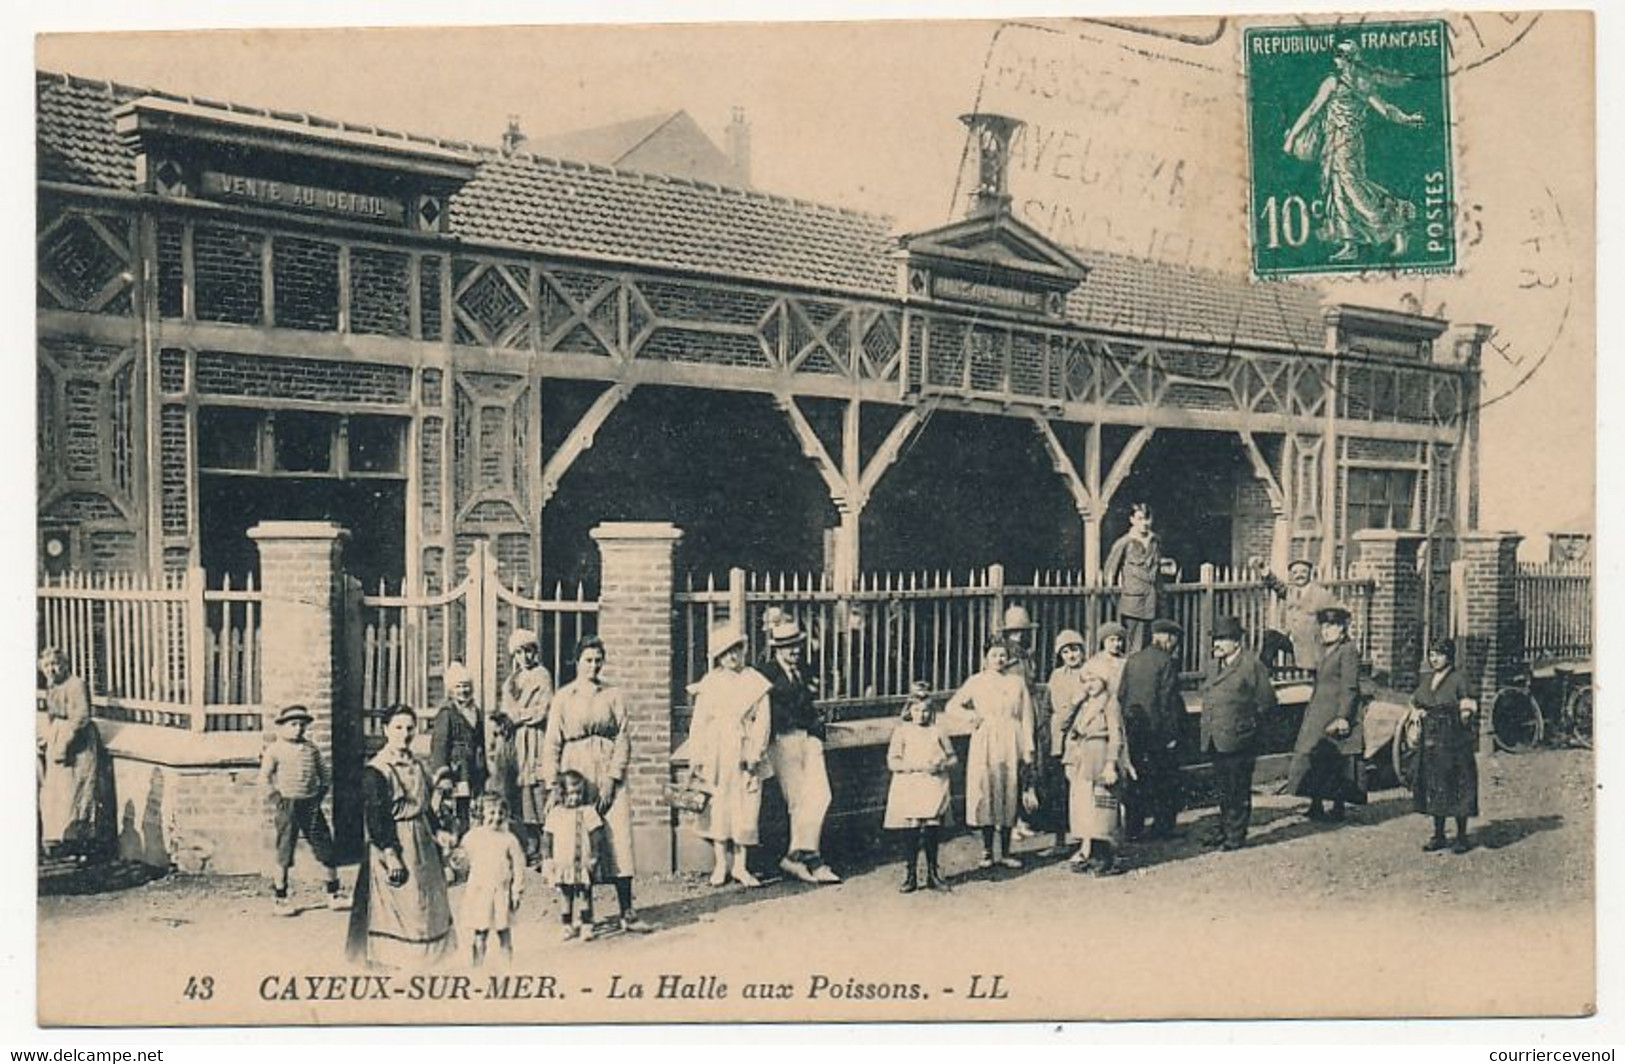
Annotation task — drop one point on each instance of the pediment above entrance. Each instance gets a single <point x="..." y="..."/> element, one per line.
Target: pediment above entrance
<point x="990" y="259"/>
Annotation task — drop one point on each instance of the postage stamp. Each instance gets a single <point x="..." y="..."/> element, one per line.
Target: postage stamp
<point x="1350" y="148"/>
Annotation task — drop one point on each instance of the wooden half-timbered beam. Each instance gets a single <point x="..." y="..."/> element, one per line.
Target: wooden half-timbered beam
<point x="891" y="447"/>
<point x="1124" y="465"/>
<point x="840" y="490"/>
<point x="1082" y="498"/>
<point x="580" y="439"/>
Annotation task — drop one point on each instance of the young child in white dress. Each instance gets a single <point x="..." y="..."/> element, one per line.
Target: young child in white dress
<point x="496" y="878"/>
<point x="920" y="757"/>
<point x="572" y="845"/>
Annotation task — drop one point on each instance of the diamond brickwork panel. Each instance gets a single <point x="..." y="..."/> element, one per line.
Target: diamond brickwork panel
<point x="84" y="266"/>
<point x="491" y="304"/>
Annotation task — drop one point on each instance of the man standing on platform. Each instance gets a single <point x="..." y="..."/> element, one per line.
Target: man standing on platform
<point x="1154" y="714"/>
<point x="1135" y="567"/>
<point x="1235" y="695"/>
<point x="796" y="751"/>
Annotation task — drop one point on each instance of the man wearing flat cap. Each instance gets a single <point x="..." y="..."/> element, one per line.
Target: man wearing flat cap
<point x="1327" y="758"/>
<point x="796" y="751"/>
<point x="1153" y="714"/>
<point x="1235" y="695"/>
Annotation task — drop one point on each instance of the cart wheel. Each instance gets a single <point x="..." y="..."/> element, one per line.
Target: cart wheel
<point x="1577" y="715"/>
<point x="1407" y="744"/>
<point x="1517" y="719"/>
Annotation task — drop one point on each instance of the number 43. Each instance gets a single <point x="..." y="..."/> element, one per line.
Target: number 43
<point x="199" y="987"/>
<point x="1287" y="219"/>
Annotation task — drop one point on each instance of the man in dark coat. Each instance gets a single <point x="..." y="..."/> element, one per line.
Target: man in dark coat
<point x="1235" y="695"/>
<point x="796" y="751"/>
<point x="1327" y="758"/>
<point x="1134" y="564"/>
<point x="457" y="742"/>
<point x="1153" y="713"/>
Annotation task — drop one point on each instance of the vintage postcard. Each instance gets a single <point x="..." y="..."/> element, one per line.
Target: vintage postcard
<point x="1077" y="519"/>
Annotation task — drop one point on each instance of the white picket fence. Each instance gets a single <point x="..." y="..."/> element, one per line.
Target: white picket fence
<point x="168" y="651"/>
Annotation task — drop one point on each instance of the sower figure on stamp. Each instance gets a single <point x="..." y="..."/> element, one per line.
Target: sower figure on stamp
<point x="526" y="698"/>
<point x="1332" y="129"/>
<point x="1327" y="758"/>
<point x="1153" y="714"/>
<point x="796" y="752"/>
<point x="1134" y="565"/>
<point x="1235" y="695"/>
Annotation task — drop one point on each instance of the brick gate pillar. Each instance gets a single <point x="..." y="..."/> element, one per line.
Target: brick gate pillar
<point x="302" y="653"/>
<point x="1489" y="642"/>
<point x="635" y="623"/>
<point x="1389" y="559"/>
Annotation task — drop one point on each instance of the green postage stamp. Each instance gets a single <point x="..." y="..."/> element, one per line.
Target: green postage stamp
<point x="1349" y="144"/>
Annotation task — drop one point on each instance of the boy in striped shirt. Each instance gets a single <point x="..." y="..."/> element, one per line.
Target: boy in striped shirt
<point x="295" y="779"/>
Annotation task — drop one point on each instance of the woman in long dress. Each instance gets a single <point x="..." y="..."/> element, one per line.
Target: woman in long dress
<point x="526" y="698"/>
<point x="1446" y="771"/>
<point x="728" y="754"/>
<point x="1001" y="750"/>
<point x="402" y="917"/>
<point x="1096" y="758"/>
<point x="1356" y="209"/>
<point x="72" y="797"/>
<point x="587" y="731"/>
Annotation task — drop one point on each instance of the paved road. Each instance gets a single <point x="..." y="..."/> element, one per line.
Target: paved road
<point x="1307" y="920"/>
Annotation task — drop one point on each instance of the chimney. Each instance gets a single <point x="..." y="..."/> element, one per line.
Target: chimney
<point x="991" y="135"/>
<point x="513" y="138"/>
<point x="738" y="140"/>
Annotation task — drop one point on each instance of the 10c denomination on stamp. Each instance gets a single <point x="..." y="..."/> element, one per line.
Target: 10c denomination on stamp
<point x="1349" y="148"/>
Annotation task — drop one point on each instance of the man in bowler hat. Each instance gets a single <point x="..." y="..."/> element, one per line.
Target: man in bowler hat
<point x="1235" y="694"/>
<point x="1154" y="714"/>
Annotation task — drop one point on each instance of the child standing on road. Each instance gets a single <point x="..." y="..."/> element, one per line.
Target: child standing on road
<point x="295" y="780"/>
<point x="572" y="843"/>
<point x="920" y="756"/>
<point x="496" y="878"/>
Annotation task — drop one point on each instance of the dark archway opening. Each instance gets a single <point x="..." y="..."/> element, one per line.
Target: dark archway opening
<point x="971" y="490"/>
<point x="1190" y="479"/>
<point x="722" y="466"/>
<point x="372" y="511"/>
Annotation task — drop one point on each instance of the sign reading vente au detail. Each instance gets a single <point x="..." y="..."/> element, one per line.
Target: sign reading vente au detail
<point x="956" y="288"/>
<point x="265" y="192"/>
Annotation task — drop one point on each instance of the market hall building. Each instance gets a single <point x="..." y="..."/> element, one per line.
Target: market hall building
<point x="247" y="316"/>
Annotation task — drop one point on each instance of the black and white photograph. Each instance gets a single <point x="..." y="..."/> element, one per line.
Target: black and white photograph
<point x="816" y="522"/>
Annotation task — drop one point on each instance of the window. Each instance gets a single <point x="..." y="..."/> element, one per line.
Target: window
<point x="1380" y="498"/>
<point x="228" y="437"/>
<point x="375" y="444"/>
<point x="304" y="441"/>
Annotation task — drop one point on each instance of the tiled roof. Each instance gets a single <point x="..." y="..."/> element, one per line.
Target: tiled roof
<point x="576" y="209"/>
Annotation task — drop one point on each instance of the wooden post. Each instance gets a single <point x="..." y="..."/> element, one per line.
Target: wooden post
<point x="1205" y="607"/>
<point x="197" y="642"/>
<point x="736" y="606"/>
<point x="474" y="627"/>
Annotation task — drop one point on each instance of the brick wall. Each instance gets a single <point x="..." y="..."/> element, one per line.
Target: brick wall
<point x="1252" y="530"/>
<point x="1389" y="558"/>
<point x="197" y="820"/>
<point x="267" y="377"/>
<point x="635" y="622"/>
<point x="1490" y="651"/>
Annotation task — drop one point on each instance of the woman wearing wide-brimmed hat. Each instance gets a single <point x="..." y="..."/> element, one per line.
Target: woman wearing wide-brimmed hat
<point x="526" y="698"/>
<point x="1446" y="771"/>
<point x="727" y="743"/>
